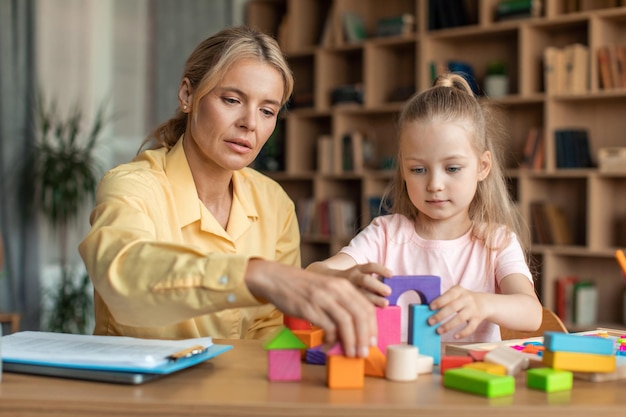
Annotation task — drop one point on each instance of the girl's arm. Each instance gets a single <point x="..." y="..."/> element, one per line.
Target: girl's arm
<point x="516" y="307"/>
<point x="363" y="276"/>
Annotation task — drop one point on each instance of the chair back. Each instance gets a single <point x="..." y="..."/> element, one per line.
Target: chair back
<point x="550" y="322"/>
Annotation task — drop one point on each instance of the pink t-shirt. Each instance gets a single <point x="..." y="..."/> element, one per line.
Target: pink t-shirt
<point x="391" y="240"/>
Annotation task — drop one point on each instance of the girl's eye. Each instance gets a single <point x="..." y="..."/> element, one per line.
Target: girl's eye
<point x="454" y="169"/>
<point x="419" y="170"/>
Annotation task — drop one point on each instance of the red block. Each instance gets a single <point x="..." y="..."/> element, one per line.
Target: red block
<point x="450" y="362"/>
<point x="294" y="323"/>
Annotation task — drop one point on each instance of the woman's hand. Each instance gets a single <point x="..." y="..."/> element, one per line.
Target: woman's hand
<point x="366" y="278"/>
<point x="363" y="276"/>
<point x="338" y="307"/>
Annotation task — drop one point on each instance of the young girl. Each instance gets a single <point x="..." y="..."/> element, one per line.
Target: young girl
<point x="451" y="216"/>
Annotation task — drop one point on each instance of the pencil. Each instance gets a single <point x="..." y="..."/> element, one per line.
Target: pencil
<point x="621" y="259"/>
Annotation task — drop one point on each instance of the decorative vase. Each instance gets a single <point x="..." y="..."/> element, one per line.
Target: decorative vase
<point x="496" y="85"/>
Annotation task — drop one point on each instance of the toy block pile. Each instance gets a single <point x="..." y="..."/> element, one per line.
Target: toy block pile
<point x="550" y="365"/>
<point x="392" y="358"/>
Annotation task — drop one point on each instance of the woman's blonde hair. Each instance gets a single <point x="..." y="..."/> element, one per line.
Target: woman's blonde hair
<point x="207" y="66"/>
<point x="451" y="99"/>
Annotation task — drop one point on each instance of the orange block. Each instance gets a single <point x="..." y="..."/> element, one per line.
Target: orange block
<point x="375" y="363"/>
<point x="312" y="337"/>
<point x="490" y="368"/>
<point x="345" y="373"/>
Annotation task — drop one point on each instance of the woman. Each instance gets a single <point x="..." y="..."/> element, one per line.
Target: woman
<point x="187" y="241"/>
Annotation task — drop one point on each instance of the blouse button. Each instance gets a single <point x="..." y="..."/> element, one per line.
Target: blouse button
<point x="223" y="280"/>
<point x="231" y="298"/>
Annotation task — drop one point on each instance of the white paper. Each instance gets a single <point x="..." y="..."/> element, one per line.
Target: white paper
<point x="63" y="349"/>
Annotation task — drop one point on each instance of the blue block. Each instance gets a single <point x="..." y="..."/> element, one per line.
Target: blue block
<point x="423" y="335"/>
<point x="564" y="342"/>
<point x="427" y="286"/>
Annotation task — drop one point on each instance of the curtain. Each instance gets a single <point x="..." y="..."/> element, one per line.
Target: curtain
<point x="177" y="26"/>
<point x="19" y="286"/>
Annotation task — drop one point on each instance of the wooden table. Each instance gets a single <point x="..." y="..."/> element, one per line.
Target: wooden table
<point x="235" y="384"/>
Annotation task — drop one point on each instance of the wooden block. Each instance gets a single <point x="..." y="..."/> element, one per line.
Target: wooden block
<point x="428" y="286"/>
<point x="425" y="364"/>
<point x="514" y="361"/>
<point x="345" y="373"/>
<point x="388" y="320"/>
<point x="294" y="323"/>
<point x="311" y="338"/>
<point x="315" y="356"/>
<point x="549" y="380"/>
<point x="282" y="338"/>
<point x="451" y="362"/>
<point x="401" y="362"/>
<point x="375" y="363"/>
<point x="490" y="368"/>
<point x="579" y="362"/>
<point x="479" y="382"/>
<point x="478" y="355"/>
<point x="284" y="365"/>
<point x="421" y="334"/>
<point x="564" y="342"/>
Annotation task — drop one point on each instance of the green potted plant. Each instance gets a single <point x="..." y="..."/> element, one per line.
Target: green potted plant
<point x="496" y="80"/>
<point x="64" y="172"/>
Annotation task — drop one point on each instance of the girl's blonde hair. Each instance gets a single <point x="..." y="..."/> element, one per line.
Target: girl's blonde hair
<point x="451" y="99"/>
<point x="208" y="64"/>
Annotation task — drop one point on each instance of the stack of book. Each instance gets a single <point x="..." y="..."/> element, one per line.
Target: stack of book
<point x="576" y="300"/>
<point x="331" y="217"/>
<point x="550" y="225"/>
<point x="517" y="9"/>
<point x="566" y="70"/>
<point x="572" y="148"/>
<point x="612" y="66"/>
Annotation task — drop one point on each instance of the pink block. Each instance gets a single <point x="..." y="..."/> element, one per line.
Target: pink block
<point x="284" y="365"/>
<point x="388" y="320"/>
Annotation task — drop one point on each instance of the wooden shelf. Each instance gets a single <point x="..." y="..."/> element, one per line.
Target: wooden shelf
<point x="593" y="202"/>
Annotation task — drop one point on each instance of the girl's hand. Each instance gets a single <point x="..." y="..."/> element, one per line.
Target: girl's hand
<point x="460" y="306"/>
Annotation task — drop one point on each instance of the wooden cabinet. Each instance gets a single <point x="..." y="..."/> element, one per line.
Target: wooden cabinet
<point x="386" y="69"/>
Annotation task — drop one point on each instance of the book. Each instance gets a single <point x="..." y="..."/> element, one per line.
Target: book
<point x="604" y="67"/>
<point x="513" y="9"/>
<point x="105" y="353"/>
<point x="398" y="25"/>
<point x="560" y="230"/>
<point x="563" y="290"/>
<point x="585" y="303"/>
<point x="531" y="148"/>
<point x="554" y="70"/>
<point x="325" y="154"/>
<point x="576" y="61"/>
<point x="540" y="225"/>
<point x="354" y="27"/>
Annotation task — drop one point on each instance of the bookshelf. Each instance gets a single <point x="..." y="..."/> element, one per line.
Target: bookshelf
<point x="592" y="202"/>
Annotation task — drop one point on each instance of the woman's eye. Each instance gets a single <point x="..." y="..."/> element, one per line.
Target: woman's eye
<point x="418" y="170"/>
<point x="454" y="169"/>
<point x="230" y="100"/>
<point x="268" y="112"/>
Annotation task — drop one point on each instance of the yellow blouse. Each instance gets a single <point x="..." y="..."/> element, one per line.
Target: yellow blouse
<point x="161" y="264"/>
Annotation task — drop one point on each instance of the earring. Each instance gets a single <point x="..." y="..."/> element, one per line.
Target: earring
<point x="184" y="107"/>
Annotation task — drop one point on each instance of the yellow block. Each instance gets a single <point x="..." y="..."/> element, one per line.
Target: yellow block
<point x="490" y="368"/>
<point x="579" y="362"/>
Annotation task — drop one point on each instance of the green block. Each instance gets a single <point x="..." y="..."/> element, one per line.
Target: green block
<point x="479" y="382"/>
<point x="549" y="380"/>
<point x="282" y="338"/>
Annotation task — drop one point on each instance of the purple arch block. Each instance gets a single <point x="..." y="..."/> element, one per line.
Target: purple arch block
<point x="427" y="286"/>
